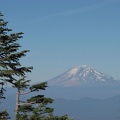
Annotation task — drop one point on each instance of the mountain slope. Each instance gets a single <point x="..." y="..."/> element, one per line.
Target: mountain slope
<point x="80" y="75"/>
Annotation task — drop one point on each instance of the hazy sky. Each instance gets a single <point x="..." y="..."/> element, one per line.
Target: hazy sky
<point x="61" y="34"/>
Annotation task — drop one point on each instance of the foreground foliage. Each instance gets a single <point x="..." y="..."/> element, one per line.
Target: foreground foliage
<point x="11" y="71"/>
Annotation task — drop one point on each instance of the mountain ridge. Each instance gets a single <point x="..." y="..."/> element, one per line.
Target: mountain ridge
<point x="86" y="108"/>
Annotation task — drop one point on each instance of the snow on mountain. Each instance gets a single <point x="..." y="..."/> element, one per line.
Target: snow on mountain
<point x="79" y="76"/>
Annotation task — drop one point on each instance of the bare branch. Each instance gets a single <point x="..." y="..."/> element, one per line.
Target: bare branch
<point x="25" y="93"/>
<point x="26" y="103"/>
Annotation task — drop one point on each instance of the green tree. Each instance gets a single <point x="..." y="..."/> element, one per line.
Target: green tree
<point x="4" y="115"/>
<point x="35" y="107"/>
<point x="10" y="67"/>
<point x="11" y="71"/>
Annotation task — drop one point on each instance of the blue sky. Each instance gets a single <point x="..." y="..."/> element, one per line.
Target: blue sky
<point x="61" y="34"/>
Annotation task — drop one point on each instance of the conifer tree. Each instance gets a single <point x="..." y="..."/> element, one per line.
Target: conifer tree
<point x="35" y="107"/>
<point x="11" y="71"/>
<point x="4" y="115"/>
<point x="10" y="66"/>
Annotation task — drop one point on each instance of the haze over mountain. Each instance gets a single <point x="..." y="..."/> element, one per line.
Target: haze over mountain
<point x="81" y="75"/>
<point x="83" y="81"/>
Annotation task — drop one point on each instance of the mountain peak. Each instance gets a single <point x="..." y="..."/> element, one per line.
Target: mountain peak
<point x="76" y="70"/>
<point x="80" y="75"/>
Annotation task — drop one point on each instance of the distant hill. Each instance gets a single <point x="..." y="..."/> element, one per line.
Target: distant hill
<point x="86" y="108"/>
<point x="89" y="108"/>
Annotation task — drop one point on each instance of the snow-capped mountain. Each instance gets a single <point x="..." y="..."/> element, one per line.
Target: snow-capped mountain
<point x="79" y="76"/>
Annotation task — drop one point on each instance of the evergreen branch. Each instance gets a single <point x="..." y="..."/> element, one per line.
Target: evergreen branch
<point x="40" y="99"/>
<point x="37" y="87"/>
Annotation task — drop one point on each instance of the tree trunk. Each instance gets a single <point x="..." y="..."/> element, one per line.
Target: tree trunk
<point x="17" y="103"/>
